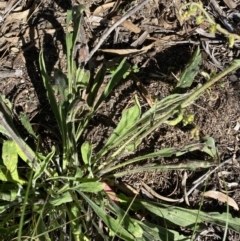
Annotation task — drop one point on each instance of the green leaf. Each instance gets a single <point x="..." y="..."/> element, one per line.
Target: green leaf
<point x="168" y="152"/>
<point x="82" y="77"/>
<point x="5" y="174"/>
<point x="10" y="160"/>
<point x="77" y="13"/>
<point x="75" y="213"/>
<point x="3" y="131"/>
<point x="60" y="117"/>
<point x="74" y="17"/>
<point x="210" y="147"/>
<point x="92" y="187"/>
<point x="9" y="192"/>
<point x="92" y="96"/>
<point x="27" y="125"/>
<point x="60" y="78"/>
<point x="189" y="165"/>
<point x="220" y="219"/>
<point x="127" y="222"/>
<point x="187" y="76"/>
<point x="112" y="224"/>
<point x="157" y="232"/>
<point x="86" y="150"/>
<point x="117" y="76"/>
<point x="42" y="228"/>
<point x="43" y="165"/>
<point x="64" y="198"/>
<point x="129" y="118"/>
<point x="188" y="218"/>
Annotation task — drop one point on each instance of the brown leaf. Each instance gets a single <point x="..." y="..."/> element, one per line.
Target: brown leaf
<point x="221" y="197"/>
<point x="128" y="51"/>
<point x="102" y="8"/>
<point x="9" y="5"/>
<point x="231" y="4"/>
<point x="128" y="25"/>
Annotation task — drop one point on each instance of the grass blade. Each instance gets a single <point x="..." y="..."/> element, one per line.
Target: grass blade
<point x="112" y="223"/>
<point x="117" y="76"/>
<point x="50" y="93"/>
<point x="188" y="75"/>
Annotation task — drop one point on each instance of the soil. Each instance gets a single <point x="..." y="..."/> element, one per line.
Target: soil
<point x="216" y="112"/>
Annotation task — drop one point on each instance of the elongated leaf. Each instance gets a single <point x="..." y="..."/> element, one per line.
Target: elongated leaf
<point x="188" y="218"/>
<point x="222" y="197"/>
<point x="86" y="150"/>
<point x="129" y="118"/>
<point x="58" y="115"/>
<point x="10" y="160"/>
<point x="157" y="232"/>
<point x="74" y="213"/>
<point x="3" y="131"/>
<point x="64" y="198"/>
<point x="40" y="171"/>
<point x="190" y="165"/>
<point x="117" y="76"/>
<point x="27" y="125"/>
<point x="190" y="72"/>
<point x="77" y="13"/>
<point x="168" y="152"/>
<point x="210" y="147"/>
<point x="82" y="77"/>
<point x="7" y="123"/>
<point x="42" y="229"/>
<point x="73" y="16"/>
<point x="5" y="175"/>
<point x="92" y="187"/>
<point x="112" y="224"/>
<point x="9" y="192"/>
<point x="92" y="96"/>
<point x="127" y="222"/>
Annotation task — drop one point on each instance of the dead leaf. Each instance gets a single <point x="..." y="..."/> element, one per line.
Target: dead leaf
<point x="184" y="184"/>
<point x="140" y="39"/>
<point x="231" y="4"/>
<point x="3" y="5"/>
<point x="18" y="16"/>
<point x="13" y="40"/>
<point x="222" y="198"/>
<point x="128" y="25"/>
<point x="9" y="5"/>
<point x="103" y="8"/>
<point x="128" y="51"/>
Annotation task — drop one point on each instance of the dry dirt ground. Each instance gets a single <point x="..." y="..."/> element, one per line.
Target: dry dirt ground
<point x="162" y="53"/>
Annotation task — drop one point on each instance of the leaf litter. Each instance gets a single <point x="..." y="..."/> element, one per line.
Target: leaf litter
<point x="161" y="55"/>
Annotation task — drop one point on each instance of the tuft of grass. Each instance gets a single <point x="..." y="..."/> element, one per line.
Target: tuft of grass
<point x="67" y="193"/>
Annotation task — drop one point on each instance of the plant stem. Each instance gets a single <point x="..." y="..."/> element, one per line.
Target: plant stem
<point x="195" y="94"/>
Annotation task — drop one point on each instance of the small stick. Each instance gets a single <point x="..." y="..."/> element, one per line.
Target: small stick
<point x="122" y="19"/>
<point x="10" y="73"/>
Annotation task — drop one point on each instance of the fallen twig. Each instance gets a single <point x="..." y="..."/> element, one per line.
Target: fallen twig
<point x="11" y="73"/>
